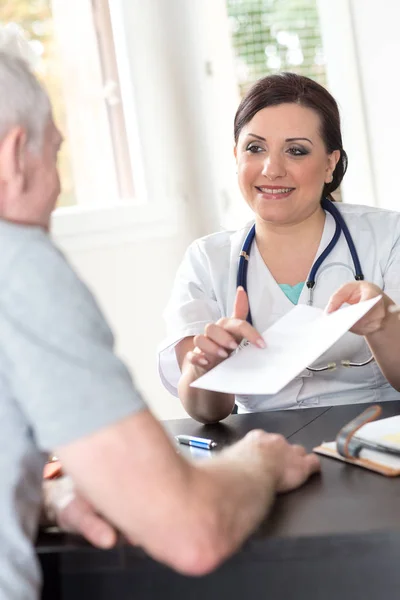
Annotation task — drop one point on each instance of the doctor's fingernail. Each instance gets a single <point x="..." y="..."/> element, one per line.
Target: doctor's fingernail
<point x="233" y="345"/>
<point x="203" y="361"/>
<point x="222" y="353"/>
<point x="260" y="343"/>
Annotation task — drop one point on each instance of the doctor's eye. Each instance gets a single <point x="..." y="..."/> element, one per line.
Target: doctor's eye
<point x="298" y="151"/>
<point x="254" y="148"/>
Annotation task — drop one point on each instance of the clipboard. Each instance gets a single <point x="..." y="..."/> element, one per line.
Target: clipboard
<point x="371" y="448"/>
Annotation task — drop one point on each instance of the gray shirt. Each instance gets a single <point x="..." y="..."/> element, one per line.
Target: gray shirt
<point x="59" y="380"/>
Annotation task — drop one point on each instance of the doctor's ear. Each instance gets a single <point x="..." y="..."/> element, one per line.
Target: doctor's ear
<point x="333" y="160"/>
<point x="236" y="158"/>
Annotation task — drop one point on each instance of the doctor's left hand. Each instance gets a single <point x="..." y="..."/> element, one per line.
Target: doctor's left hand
<point x="357" y="291"/>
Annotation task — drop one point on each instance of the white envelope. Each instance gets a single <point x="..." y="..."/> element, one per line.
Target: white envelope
<point x="293" y="343"/>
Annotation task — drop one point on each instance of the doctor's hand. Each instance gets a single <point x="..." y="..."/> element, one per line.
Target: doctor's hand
<point x="220" y="339"/>
<point x="357" y="291"/>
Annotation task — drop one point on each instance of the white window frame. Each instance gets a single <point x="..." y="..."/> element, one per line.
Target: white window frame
<point x="129" y="102"/>
<point x="101" y="216"/>
<point x="344" y="79"/>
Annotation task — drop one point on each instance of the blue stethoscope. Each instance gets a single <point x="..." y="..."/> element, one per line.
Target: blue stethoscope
<point x="341" y="227"/>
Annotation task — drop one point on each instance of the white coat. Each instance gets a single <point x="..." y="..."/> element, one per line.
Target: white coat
<point x="205" y="287"/>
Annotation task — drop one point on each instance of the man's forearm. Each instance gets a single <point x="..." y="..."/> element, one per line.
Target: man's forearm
<point x="189" y="516"/>
<point x="241" y="493"/>
<point x="225" y="501"/>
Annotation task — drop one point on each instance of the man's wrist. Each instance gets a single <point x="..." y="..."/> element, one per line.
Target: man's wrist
<point x="261" y="463"/>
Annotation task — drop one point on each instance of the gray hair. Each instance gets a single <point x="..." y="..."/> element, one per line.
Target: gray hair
<point x="23" y="100"/>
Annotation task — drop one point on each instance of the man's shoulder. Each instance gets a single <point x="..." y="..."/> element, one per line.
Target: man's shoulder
<point x="36" y="279"/>
<point x="28" y="258"/>
<point x="15" y="240"/>
<point x="30" y="250"/>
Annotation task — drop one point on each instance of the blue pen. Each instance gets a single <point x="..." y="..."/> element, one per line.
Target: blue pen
<point x="196" y="442"/>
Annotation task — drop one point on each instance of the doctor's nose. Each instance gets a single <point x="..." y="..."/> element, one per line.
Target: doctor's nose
<point x="273" y="167"/>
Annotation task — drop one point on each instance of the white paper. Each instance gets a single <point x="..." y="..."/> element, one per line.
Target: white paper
<point x="384" y="431"/>
<point x="293" y="343"/>
<point x="381" y="458"/>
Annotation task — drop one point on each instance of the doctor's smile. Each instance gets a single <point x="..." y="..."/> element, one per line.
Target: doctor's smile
<point x="275" y="193"/>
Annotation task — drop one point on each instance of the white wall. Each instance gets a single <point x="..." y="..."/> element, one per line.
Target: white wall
<point x="362" y="47"/>
<point x="186" y="96"/>
<point x="132" y="283"/>
<point x="376" y="28"/>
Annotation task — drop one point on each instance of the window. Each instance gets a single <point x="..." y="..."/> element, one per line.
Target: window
<point x="275" y="35"/>
<point x="34" y="21"/>
<point x="107" y="51"/>
<point x="77" y="64"/>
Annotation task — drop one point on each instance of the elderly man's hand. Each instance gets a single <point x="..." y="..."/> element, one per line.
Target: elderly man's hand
<point x="72" y="513"/>
<point x="289" y="464"/>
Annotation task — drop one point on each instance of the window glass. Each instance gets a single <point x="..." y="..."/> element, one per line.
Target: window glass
<point x="34" y="21"/>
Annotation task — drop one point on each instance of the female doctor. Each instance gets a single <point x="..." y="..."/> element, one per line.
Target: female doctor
<point x="301" y="248"/>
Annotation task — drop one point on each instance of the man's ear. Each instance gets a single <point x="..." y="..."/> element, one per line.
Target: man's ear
<point x="13" y="149"/>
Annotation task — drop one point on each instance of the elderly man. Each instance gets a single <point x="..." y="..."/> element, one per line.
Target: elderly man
<point x="63" y="388"/>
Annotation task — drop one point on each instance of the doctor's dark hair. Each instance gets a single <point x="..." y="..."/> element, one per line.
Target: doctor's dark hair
<point x="283" y="88"/>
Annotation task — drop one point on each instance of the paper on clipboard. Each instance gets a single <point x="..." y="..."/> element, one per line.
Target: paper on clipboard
<point x="293" y="343"/>
<point x="383" y="431"/>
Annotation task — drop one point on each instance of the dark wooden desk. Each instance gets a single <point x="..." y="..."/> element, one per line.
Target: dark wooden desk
<point x="337" y="537"/>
